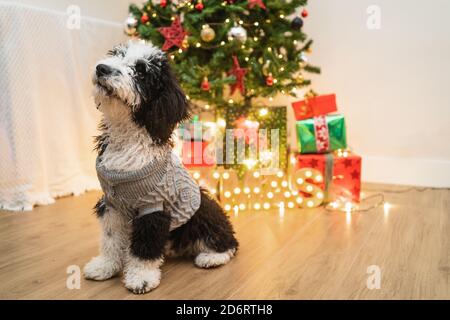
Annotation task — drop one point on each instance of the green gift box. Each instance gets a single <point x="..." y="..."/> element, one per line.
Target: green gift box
<point x="321" y="134"/>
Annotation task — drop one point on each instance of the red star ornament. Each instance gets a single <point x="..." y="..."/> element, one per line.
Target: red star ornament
<point x="259" y="3"/>
<point x="239" y="73"/>
<point x="174" y="34"/>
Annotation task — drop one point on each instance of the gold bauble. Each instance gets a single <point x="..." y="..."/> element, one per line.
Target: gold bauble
<point x="207" y="34"/>
<point x="185" y="43"/>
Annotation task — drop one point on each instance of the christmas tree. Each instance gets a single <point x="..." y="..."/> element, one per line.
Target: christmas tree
<point x="228" y="52"/>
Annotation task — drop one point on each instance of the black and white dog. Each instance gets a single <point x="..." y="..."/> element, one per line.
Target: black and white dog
<point x="142" y="102"/>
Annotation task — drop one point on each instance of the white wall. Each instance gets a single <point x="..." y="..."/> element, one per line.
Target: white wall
<point x="392" y="84"/>
<point x="112" y="10"/>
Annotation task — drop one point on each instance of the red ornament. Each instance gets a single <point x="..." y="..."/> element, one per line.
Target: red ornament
<point x="239" y="73"/>
<point x="304" y="13"/>
<point x="205" y="84"/>
<point x="259" y="3"/>
<point x="199" y="6"/>
<point x="144" y="18"/>
<point x="174" y="34"/>
<point x="163" y="3"/>
<point x="269" y="80"/>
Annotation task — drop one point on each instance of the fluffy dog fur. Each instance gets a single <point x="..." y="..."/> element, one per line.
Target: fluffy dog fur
<point x="142" y="102"/>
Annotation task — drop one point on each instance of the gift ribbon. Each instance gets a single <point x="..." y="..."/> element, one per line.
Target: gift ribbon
<point x="328" y="177"/>
<point x="321" y="134"/>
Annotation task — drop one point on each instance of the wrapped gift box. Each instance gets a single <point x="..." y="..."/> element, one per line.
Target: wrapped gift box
<point x="321" y="134"/>
<point x="315" y="106"/>
<point x="341" y="173"/>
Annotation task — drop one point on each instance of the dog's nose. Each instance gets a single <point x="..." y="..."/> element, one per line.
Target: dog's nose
<point x="103" y="70"/>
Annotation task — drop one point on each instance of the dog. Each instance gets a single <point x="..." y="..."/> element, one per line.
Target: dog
<point x="151" y="207"/>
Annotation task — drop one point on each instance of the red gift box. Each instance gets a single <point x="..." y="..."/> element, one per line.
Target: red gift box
<point x="315" y="106"/>
<point x="194" y="154"/>
<point x="341" y="173"/>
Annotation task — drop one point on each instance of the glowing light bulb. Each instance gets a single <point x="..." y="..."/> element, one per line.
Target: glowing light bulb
<point x="300" y="181"/>
<point x="263" y="112"/>
<point x="270" y="195"/>
<point x="290" y="204"/>
<point x="257" y="206"/>
<point x="299" y="200"/>
<point x="319" y="195"/>
<point x="266" y="205"/>
<point x="280" y="174"/>
<point x="213" y="191"/>
<point x="273" y="184"/>
<point x="237" y="190"/>
<point x="227" y="207"/>
<point x="246" y="190"/>
<point x="198" y="45"/>
<point x="287" y="194"/>
<point x="256" y="23"/>
<point x="226" y="175"/>
<point x="309" y="203"/>
<point x="284" y="183"/>
<point x="348" y="206"/>
<point x="216" y="175"/>
<point x="256" y="174"/>
<point x="227" y="194"/>
<point x="256" y="190"/>
<point x="196" y="175"/>
<point x="230" y="101"/>
<point x="308" y="174"/>
<point x="221" y="123"/>
<point x="242" y="206"/>
<point x="319" y="178"/>
<point x="309" y="188"/>
<point x="222" y="43"/>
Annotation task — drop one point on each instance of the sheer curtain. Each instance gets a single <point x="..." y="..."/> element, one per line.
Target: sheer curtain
<point x="47" y="117"/>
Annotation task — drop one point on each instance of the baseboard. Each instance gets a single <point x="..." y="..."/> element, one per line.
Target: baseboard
<point x="406" y="171"/>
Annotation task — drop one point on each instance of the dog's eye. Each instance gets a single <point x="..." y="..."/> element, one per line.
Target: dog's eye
<point x="141" y="67"/>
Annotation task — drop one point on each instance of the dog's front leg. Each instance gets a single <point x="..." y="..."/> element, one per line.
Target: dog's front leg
<point x="149" y="235"/>
<point x="115" y="237"/>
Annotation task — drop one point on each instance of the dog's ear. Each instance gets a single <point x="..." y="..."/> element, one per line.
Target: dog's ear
<point x="163" y="102"/>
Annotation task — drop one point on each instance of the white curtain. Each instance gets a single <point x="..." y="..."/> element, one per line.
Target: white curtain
<point x="47" y="117"/>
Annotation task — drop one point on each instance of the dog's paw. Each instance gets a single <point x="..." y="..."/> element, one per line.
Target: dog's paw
<point x="100" y="268"/>
<point x="142" y="280"/>
<point x="213" y="259"/>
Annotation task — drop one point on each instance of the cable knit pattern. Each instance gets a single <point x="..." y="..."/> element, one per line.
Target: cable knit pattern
<point x="160" y="185"/>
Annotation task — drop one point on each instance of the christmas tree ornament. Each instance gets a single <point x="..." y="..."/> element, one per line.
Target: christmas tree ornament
<point x="239" y="73"/>
<point x="130" y="25"/>
<point x="205" y="84"/>
<point x="297" y="23"/>
<point x="144" y="18"/>
<point x="256" y="3"/>
<point x="163" y="3"/>
<point x="265" y="68"/>
<point x="304" y="13"/>
<point x="238" y="33"/>
<point x="173" y="35"/>
<point x="269" y="80"/>
<point x="207" y="34"/>
<point x="199" y="6"/>
<point x="185" y="43"/>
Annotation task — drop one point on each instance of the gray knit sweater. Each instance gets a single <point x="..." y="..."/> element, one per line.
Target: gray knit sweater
<point x="162" y="185"/>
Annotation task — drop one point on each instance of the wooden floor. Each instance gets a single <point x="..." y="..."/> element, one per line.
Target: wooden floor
<point x="307" y="254"/>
